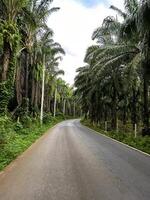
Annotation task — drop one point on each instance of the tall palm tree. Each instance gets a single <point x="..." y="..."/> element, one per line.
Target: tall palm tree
<point x="114" y="61"/>
<point x="10" y="9"/>
<point x="48" y="50"/>
<point x="138" y="24"/>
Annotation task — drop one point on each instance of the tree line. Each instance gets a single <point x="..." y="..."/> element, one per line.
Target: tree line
<point x="29" y="59"/>
<point x="114" y="83"/>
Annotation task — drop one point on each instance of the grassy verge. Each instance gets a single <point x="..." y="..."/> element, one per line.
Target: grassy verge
<point x="16" y="138"/>
<point x="141" y="143"/>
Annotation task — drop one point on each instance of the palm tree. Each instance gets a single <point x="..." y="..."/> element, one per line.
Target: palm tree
<point x="40" y="10"/>
<point x="48" y="50"/>
<point x="26" y="41"/>
<point x="30" y="60"/>
<point x="10" y="9"/>
<point x="110" y="64"/>
<point x="138" y="24"/>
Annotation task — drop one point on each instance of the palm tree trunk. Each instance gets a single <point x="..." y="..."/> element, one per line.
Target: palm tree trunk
<point x="6" y="60"/>
<point x="124" y="115"/>
<point x="105" y="113"/>
<point x="33" y="91"/>
<point x="146" y="106"/>
<point x="42" y="97"/>
<point x="114" y="110"/>
<point x="55" y="102"/>
<point x="18" y="83"/>
<point x="49" y="104"/>
<point x="74" y="109"/>
<point x="27" y="75"/>
<point x="146" y="68"/>
<point x="36" y="94"/>
<point x="64" y="107"/>
<point x="134" y="110"/>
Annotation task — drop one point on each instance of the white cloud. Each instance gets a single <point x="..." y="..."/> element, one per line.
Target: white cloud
<point x="73" y="25"/>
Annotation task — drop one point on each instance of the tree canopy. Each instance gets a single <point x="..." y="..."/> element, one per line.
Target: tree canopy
<point x="114" y="83"/>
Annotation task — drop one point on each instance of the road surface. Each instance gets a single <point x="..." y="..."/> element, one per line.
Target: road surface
<point x="71" y="162"/>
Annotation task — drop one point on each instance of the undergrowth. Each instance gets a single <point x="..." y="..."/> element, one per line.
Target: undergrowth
<point x="16" y="137"/>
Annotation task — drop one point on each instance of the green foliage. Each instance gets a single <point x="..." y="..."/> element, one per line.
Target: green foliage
<point x="10" y="33"/>
<point x="26" y="47"/>
<point x="60" y="114"/>
<point x="7" y="89"/>
<point x="47" y="117"/>
<point x="4" y="97"/>
<point x="16" y="137"/>
<point x="6" y="129"/>
<point x="26" y="121"/>
<point x="114" y="83"/>
<point x="23" y="111"/>
<point x="18" y="127"/>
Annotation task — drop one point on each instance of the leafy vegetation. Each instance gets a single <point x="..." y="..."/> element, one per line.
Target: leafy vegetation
<point x="21" y="135"/>
<point x="113" y="86"/>
<point x="31" y="90"/>
<point x="29" y="60"/>
<point x="112" y="89"/>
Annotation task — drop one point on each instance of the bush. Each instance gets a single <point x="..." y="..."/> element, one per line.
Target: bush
<point x="60" y="114"/>
<point x="15" y="137"/>
<point x="47" y="118"/>
<point x="26" y="121"/>
<point x="18" y="126"/>
<point x="6" y="126"/>
<point x="2" y="138"/>
<point x="5" y="122"/>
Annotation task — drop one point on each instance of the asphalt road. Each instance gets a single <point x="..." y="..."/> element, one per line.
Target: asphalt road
<point x="71" y="162"/>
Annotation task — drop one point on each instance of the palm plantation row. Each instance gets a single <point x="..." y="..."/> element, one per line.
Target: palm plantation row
<point x="29" y="61"/>
<point x="31" y="90"/>
<point x="114" y="84"/>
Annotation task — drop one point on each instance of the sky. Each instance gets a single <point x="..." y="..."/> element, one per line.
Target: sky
<point x="73" y="26"/>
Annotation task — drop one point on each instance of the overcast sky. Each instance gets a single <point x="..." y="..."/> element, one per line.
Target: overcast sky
<point x="73" y="26"/>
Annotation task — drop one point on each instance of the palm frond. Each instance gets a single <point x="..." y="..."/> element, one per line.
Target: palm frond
<point x="131" y="6"/>
<point x="120" y="12"/>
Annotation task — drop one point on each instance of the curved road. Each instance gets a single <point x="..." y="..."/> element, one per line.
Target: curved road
<point x="71" y="162"/>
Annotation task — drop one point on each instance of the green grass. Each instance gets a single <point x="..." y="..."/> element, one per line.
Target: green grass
<point x="16" y="138"/>
<point x="141" y="143"/>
